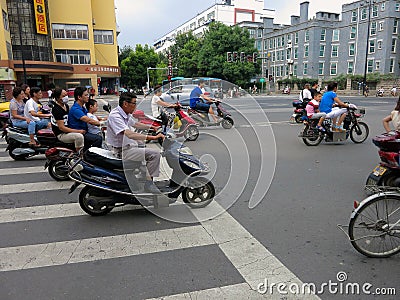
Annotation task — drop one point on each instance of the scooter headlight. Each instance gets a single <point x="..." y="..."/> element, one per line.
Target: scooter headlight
<point x="185" y="150"/>
<point x="191" y="165"/>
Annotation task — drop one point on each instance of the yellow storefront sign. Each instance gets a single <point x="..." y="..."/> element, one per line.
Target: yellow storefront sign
<point x="40" y="16"/>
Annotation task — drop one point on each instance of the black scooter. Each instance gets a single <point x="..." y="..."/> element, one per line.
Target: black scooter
<point x="110" y="182"/>
<point x="204" y="120"/>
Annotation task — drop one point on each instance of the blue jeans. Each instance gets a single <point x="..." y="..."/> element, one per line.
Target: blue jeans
<point x="43" y="123"/>
<point x="23" y="124"/>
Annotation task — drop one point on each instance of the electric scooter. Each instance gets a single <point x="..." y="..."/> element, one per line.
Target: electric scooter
<point x="110" y="182"/>
<point x="204" y="120"/>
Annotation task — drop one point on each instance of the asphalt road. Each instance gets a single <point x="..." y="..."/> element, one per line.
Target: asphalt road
<point x="51" y="250"/>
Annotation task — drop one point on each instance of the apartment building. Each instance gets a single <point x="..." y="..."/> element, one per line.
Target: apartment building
<point x="68" y="43"/>
<point x="229" y="12"/>
<point x="326" y="45"/>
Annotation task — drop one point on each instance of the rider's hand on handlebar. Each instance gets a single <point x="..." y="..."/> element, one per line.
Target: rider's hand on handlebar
<point x="352" y="106"/>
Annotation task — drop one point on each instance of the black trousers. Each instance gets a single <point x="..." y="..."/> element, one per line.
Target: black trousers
<point x="92" y="140"/>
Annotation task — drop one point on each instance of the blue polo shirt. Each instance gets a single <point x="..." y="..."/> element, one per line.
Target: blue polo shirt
<point x="327" y="102"/>
<point x="75" y="114"/>
<point x="195" y="96"/>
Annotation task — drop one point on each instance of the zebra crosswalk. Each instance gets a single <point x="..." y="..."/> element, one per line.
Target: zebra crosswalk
<point x="129" y="253"/>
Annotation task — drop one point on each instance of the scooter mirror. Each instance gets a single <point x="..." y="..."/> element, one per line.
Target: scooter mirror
<point x="107" y="107"/>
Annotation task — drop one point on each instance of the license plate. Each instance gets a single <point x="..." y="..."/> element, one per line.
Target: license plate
<point x="379" y="170"/>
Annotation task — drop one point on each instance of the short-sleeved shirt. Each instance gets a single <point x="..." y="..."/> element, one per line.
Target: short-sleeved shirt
<point x="195" y="96"/>
<point x="395" y="119"/>
<point x="19" y="107"/>
<point x="93" y="128"/>
<point x="311" y="107"/>
<point x="155" y="109"/>
<point x="74" y="117"/>
<point x="57" y="114"/>
<point x="327" y="102"/>
<point x="118" y="122"/>
<point x="29" y="106"/>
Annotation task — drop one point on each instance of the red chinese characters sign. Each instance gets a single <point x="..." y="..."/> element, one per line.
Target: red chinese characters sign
<point x="40" y="16"/>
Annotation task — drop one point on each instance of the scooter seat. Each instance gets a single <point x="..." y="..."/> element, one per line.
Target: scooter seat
<point x="46" y="133"/>
<point x="106" y="159"/>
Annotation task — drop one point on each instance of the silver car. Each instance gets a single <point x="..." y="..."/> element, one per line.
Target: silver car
<point x="181" y="93"/>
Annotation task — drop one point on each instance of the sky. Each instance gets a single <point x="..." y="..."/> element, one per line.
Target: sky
<point x="144" y="21"/>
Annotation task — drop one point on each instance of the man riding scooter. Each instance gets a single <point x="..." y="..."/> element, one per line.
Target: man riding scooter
<point x="196" y="102"/>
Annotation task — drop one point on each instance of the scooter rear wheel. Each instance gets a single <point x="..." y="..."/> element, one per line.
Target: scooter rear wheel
<point x="58" y="170"/>
<point x="91" y="205"/>
<point x="199" y="196"/>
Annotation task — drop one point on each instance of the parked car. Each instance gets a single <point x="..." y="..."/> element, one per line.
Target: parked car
<point x="181" y="93"/>
<point x="70" y="92"/>
<point x="122" y="90"/>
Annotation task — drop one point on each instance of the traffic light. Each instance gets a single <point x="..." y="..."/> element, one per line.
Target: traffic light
<point x="235" y="57"/>
<point x="229" y="57"/>
<point x="270" y="78"/>
<point x="266" y="73"/>
<point x="255" y="57"/>
<point x="242" y="57"/>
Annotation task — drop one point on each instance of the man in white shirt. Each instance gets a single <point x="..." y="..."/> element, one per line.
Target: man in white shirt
<point x="157" y="105"/>
<point x="393" y="91"/>
<point x="305" y="94"/>
<point x="124" y="141"/>
<point x="31" y="110"/>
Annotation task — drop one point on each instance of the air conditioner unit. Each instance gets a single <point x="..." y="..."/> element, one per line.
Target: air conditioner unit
<point x="290" y="61"/>
<point x="93" y="21"/>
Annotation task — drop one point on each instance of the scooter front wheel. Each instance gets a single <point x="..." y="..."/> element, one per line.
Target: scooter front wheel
<point x="200" y="194"/>
<point x="12" y="146"/>
<point x="58" y="170"/>
<point x="90" y="200"/>
<point x="191" y="133"/>
<point x="227" y="123"/>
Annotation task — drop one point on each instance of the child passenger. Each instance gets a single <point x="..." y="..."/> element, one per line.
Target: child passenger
<point x="92" y="107"/>
<point x="312" y="109"/>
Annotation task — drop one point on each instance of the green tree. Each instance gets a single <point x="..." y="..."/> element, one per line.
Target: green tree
<point x="124" y="53"/>
<point x="134" y="67"/>
<point x="185" y="55"/>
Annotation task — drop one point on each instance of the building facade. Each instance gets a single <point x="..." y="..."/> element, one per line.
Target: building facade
<point x="53" y="42"/>
<point x="228" y="12"/>
<point x="326" y="46"/>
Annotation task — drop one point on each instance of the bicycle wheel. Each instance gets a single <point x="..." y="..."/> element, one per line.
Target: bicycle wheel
<point x="359" y="132"/>
<point x="374" y="229"/>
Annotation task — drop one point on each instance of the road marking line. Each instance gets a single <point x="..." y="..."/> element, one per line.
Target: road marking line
<point x="95" y="249"/>
<point x="235" y="291"/>
<point x="23" y="170"/>
<point x="34" y="187"/>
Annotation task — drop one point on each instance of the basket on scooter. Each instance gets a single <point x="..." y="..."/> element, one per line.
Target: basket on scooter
<point x="389" y="143"/>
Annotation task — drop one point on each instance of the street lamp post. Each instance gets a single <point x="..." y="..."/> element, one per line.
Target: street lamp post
<point x="369" y="3"/>
<point x="20" y="40"/>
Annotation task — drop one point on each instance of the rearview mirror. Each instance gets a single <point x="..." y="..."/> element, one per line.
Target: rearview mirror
<point x="107" y="107"/>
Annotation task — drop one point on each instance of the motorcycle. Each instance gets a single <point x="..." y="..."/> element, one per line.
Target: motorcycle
<point x="299" y="113"/>
<point x="387" y="172"/>
<point x="108" y="185"/>
<point x="379" y="93"/>
<point x="355" y="129"/>
<point x="286" y="91"/>
<point x="203" y="119"/>
<point x="188" y="128"/>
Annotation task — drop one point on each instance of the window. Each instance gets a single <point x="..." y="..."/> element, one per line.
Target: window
<point x="321" y="50"/>
<point x="370" y="67"/>
<point x="77" y="57"/>
<point x="70" y="32"/>
<point x="103" y="37"/>
<point x="335" y="36"/>
<point x="305" y="68"/>
<point x="306" y="36"/>
<point x="306" y="48"/>
<point x="381" y="23"/>
<point x="334" y="52"/>
<point x="363" y="14"/>
<point x="397" y="6"/>
<point x="283" y="40"/>
<point x="393" y="45"/>
<point x="9" y="50"/>
<point x="295" y="70"/>
<point x="352" y="49"/>
<point x="295" y="52"/>
<point x="377" y="65"/>
<point x="252" y="33"/>
<point x="383" y="6"/>
<point x="323" y="34"/>
<point x="350" y="67"/>
<point x="391" y="66"/>
<point x="259" y="33"/>
<point x="288" y="53"/>
<point x="333" y="69"/>
<point x="373" y="28"/>
<point x="296" y="38"/>
<point x="372" y="46"/>
<point x="279" y="42"/>
<point x="374" y="11"/>
<point x="321" y="68"/>
<point x="380" y="44"/>
<point x="5" y="21"/>
<point x="395" y="25"/>
<point x="258" y="45"/>
<point x="353" y="32"/>
<point x="354" y="16"/>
